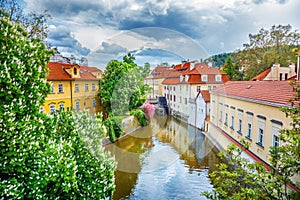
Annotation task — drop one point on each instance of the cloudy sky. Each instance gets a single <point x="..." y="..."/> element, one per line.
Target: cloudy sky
<point x="159" y="31"/>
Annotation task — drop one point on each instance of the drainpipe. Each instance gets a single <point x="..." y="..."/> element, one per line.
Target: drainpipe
<point x="71" y="95"/>
<point x="196" y="113"/>
<point x="298" y="70"/>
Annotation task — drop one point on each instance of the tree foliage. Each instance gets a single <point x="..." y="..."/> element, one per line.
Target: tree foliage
<point x="218" y="60"/>
<point x="44" y="157"/>
<point x="122" y="87"/>
<point x="266" y="48"/>
<point x="34" y="23"/>
<point x="231" y="70"/>
<point x="238" y="178"/>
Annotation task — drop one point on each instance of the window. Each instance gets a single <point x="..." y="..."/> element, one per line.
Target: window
<point x="75" y="71"/>
<point x="226" y="119"/>
<point x="249" y="125"/>
<point x="174" y="98"/>
<point x="52" y="109"/>
<point x="93" y="87"/>
<point x="52" y="89"/>
<point x="240" y="126"/>
<point x="180" y="99"/>
<point x="180" y="87"/>
<point x="276" y="126"/>
<point x="218" y="78"/>
<point x="198" y="88"/>
<point x="185" y="100"/>
<point x="62" y="106"/>
<point x="204" y="78"/>
<point x="76" y="87"/>
<point x="240" y="117"/>
<point x="232" y="123"/>
<point x="261" y="130"/>
<point x="275" y="133"/>
<point x="86" y="86"/>
<point x="221" y="116"/>
<point x="209" y="87"/>
<point x="260" y="136"/>
<point x="170" y="97"/>
<point x="275" y="141"/>
<point x="94" y="103"/>
<point x="174" y="88"/>
<point x="186" y="78"/>
<point x="286" y="76"/>
<point x="60" y="88"/>
<point x="232" y="118"/>
<point x="77" y="105"/>
<point x="280" y="76"/>
<point x="249" y="131"/>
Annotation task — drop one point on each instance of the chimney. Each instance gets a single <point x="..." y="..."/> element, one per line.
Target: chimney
<point x="209" y="64"/>
<point x="298" y="68"/>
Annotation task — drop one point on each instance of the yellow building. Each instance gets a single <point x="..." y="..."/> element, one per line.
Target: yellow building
<point x="250" y="110"/>
<point x="72" y="87"/>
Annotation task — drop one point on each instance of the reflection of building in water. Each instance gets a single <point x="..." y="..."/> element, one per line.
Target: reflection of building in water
<point x="192" y="145"/>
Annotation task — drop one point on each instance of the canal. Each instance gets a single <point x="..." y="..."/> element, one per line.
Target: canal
<point x="165" y="160"/>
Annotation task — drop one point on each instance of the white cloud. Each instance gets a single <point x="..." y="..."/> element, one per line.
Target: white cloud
<point x="215" y="24"/>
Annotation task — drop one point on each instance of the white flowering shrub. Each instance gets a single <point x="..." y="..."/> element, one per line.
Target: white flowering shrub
<point x="44" y="157"/>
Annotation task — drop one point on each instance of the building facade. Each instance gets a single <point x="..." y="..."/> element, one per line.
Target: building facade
<point x="250" y="110"/>
<point x="73" y="87"/>
<point x="183" y="85"/>
<point x="155" y="79"/>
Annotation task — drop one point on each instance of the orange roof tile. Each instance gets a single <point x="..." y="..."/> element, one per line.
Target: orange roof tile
<point x="277" y="92"/>
<point x="205" y="95"/>
<point x="57" y="71"/>
<point x="261" y="76"/>
<point x="195" y="74"/>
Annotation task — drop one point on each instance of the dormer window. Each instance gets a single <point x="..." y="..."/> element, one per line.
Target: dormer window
<point x="181" y="78"/>
<point x="218" y="78"/>
<point x="204" y="78"/>
<point x="75" y="71"/>
<point x="186" y="78"/>
<point x="192" y="66"/>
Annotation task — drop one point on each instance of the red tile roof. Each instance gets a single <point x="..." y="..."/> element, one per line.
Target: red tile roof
<point x="160" y="72"/>
<point x="205" y="95"/>
<point x="195" y="75"/>
<point x="57" y="72"/>
<point x="278" y="92"/>
<point x="261" y="76"/>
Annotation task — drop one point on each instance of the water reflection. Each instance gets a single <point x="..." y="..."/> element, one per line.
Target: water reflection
<point x="166" y="160"/>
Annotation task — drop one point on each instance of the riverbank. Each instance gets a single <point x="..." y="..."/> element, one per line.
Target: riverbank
<point x="129" y="125"/>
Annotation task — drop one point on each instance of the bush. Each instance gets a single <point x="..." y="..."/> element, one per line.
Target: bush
<point x="113" y="126"/>
<point x="141" y="116"/>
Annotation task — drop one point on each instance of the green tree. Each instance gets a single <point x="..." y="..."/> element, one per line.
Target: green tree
<point x="266" y="48"/>
<point x="122" y="87"/>
<point x="44" y="157"/>
<point x="238" y="178"/>
<point x="230" y="69"/>
<point x="34" y="23"/>
<point x="218" y="60"/>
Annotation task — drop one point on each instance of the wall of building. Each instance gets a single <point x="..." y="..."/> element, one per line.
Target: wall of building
<point x="56" y="98"/>
<point x="265" y="117"/>
<point x="70" y="96"/>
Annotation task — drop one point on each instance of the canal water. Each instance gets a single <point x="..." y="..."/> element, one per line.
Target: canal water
<point x="165" y="160"/>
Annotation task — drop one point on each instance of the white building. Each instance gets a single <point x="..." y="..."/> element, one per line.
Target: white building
<point x="199" y="110"/>
<point x="187" y="80"/>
